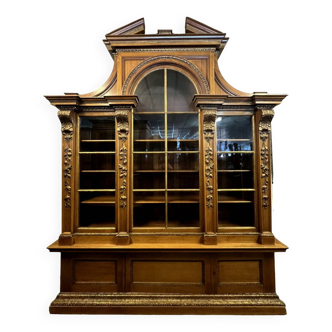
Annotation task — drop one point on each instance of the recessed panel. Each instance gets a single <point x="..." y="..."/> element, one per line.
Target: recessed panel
<point x="167" y="272"/>
<point x="93" y="271"/>
<point x="239" y="272"/>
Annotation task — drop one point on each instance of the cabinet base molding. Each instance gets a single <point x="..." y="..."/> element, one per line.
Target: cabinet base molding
<point x="167" y="304"/>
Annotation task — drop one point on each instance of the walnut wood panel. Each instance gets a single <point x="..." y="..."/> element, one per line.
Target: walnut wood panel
<point x="91" y="272"/>
<point x="168" y="273"/>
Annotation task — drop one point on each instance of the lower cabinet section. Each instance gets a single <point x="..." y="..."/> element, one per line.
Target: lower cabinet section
<point x="172" y="273"/>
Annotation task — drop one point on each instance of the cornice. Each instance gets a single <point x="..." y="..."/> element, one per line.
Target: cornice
<point x="74" y="101"/>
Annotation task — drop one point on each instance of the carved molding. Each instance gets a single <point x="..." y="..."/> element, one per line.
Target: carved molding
<point x="264" y="133"/>
<point x="209" y="121"/>
<point x="142" y="300"/>
<point x="67" y="130"/>
<point x="123" y="130"/>
<point x="166" y="57"/>
<point x="178" y="49"/>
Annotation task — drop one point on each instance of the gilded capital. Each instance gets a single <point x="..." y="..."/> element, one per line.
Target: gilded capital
<point x="265" y="122"/>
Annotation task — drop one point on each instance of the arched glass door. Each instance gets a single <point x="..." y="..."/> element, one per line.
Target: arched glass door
<point x="166" y="153"/>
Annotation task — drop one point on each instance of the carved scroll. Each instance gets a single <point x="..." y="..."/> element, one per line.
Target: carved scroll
<point x="208" y="130"/>
<point x="123" y="130"/>
<point x="264" y="132"/>
<point x="67" y="132"/>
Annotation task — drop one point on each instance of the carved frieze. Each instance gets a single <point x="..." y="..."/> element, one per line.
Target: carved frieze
<point x="123" y="130"/>
<point x="67" y="130"/>
<point x="264" y="132"/>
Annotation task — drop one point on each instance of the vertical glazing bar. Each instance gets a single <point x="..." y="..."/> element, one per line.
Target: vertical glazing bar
<point x="131" y="154"/>
<point x="254" y="170"/>
<point x="166" y="147"/>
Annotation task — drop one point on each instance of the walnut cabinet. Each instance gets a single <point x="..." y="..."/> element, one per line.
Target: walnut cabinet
<point x="166" y="184"/>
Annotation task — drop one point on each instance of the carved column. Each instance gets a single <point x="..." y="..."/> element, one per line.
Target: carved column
<point x="210" y="202"/>
<point x="263" y="133"/>
<point x="122" y="170"/>
<point x="67" y="120"/>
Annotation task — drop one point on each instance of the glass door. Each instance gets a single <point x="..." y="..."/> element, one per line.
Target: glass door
<point x="235" y="155"/>
<point x="97" y="171"/>
<point x="165" y="153"/>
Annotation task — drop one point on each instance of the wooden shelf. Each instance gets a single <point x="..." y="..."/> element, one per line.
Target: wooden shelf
<point x="104" y="199"/>
<point x="168" y="140"/>
<point x="97" y="171"/>
<point x="168" y="171"/>
<point x="235" y="152"/>
<point x="97" y="140"/>
<point x="234" y="139"/>
<point x="97" y="152"/>
<point x="234" y="201"/>
<point x="234" y="170"/>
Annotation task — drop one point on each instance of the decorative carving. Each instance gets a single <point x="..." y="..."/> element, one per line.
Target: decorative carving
<point x="166" y="57"/>
<point x="208" y="130"/>
<point x="178" y="49"/>
<point x="123" y="130"/>
<point x="67" y="132"/>
<point x="192" y="300"/>
<point x="264" y="132"/>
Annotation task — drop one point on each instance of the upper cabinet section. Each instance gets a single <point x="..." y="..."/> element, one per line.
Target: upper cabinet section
<point x="192" y="56"/>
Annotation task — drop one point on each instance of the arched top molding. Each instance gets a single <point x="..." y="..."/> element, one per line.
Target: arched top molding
<point x="166" y="61"/>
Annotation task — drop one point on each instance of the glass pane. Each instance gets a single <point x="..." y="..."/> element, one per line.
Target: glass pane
<point x="89" y="146"/>
<point x="234" y="127"/>
<point x="97" y="209"/>
<point x="97" y="162"/>
<point x="235" y="161"/>
<point x="150" y="92"/>
<point x="235" y="215"/>
<point x="97" y="128"/>
<point x="182" y="161"/>
<point x="239" y="145"/>
<point x="149" y="209"/>
<point x="97" y="180"/>
<point x="236" y="180"/>
<point x="183" y="215"/>
<point x="182" y="132"/>
<point x="149" y="180"/>
<point x="180" y="92"/>
<point x="149" y="161"/>
<point x="149" y="132"/>
<point x="183" y="180"/>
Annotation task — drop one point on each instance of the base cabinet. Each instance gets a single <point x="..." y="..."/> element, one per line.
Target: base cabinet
<point x="169" y="283"/>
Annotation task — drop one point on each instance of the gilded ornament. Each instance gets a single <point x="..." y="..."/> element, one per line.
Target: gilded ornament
<point x="123" y="130"/>
<point x="264" y="132"/>
<point x="67" y="130"/>
<point x="208" y="130"/>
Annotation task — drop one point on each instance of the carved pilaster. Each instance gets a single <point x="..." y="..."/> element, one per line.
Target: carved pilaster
<point x="67" y="132"/>
<point x="210" y="208"/>
<point x="123" y="131"/>
<point x="67" y="129"/>
<point x="208" y="131"/>
<point x="123" y="119"/>
<point x="264" y="118"/>
<point x="264" y="133"/>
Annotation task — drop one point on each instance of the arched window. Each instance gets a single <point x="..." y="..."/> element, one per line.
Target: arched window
<point x="166" y="153"/>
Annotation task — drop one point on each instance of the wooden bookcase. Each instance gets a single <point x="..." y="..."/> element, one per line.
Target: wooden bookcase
<point x="166" y="184"/>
